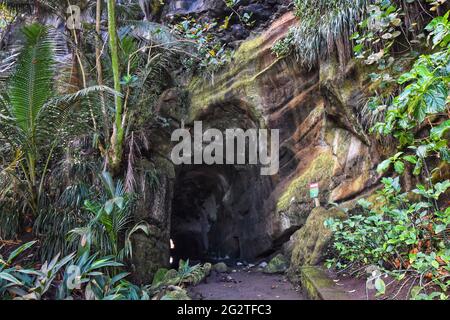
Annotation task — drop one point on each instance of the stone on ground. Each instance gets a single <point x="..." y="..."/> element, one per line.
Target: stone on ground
<point x="221" y="267"/>
<point x="176" y="293"/>
<point x="279" y="264"/>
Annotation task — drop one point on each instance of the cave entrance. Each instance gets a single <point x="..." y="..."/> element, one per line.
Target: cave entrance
<point x="222" y="212"/>
<point x="217" y="214"/>
<point x="202" y="224"/>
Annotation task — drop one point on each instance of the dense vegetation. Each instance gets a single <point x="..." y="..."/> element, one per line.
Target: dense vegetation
<point x="75" y="110"/>
<point x="64" y="126"/>
<point x="402" y="230"/>
<point x="405" y="233"/>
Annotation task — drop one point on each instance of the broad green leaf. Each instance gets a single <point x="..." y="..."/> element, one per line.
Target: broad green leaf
<point x="380" y="286"/>
<point x="410" y="159"/>
<point x="422" y="151"/>
<point x="384" y="166"/>
<point x="399" y="167"/>
<point x="435" y="264"/>
<point x="438" y="131"/>
<point x="418" y="168"/>
<point x="435" y="98"/>
<point x="440" y="228"/>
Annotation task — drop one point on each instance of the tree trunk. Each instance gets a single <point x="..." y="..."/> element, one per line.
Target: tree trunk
<point x="98" y="64"/>
<point x="117" y="138"/>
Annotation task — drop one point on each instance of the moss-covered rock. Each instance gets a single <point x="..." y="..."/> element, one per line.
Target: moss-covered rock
<point x="149" y="255"/>
<point x="279" y="264"/>
<point x="318" y="286"/>
<point x="321" y="169"/>
<point x="151" y="250"/>
<point x="176" y="293"/>
<point x="220" y="267"/>
<point x="311" y="242"/>
<point x="207" y="267"/>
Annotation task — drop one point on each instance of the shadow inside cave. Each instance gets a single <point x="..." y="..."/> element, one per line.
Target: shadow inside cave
<point x="217" y="213"/>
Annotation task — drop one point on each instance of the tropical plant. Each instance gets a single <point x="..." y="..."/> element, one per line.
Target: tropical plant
<point x="185" y="275"/>
<point x="32" y="124"/>
<point x="36" y="122"/>
<point x="84" y="273"/>
<point x="71" y="277"/>
<point x="406" y="234"/>
<point x="72" y="181"/>
<point x="109" y="223"/>
<point x="321" y="25"/>
<point x="11" y="277"/>
<point x="210" y="54"/>
<point x="407" y="239"/>
<point x="327" y="28"/>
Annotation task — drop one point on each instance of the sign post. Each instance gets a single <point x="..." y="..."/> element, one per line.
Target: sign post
<point x="314" y="193"/>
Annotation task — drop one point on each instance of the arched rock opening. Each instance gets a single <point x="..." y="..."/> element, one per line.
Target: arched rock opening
<point x="218" y="214"/>
<point x="222" y="212"/>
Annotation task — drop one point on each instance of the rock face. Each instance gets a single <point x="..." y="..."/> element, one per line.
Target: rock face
<point x="321" y="138"/>
<point x="186" y="7"/>
<point x="219" y="212"/>
<point x="152" y="251"/>
<point x="311" y="242"/>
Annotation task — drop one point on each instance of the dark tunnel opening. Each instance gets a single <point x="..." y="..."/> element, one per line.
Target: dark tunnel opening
<point x="220" y="213"/>
<point x="203" y="223"/>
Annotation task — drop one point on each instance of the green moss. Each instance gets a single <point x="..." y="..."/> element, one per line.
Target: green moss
<point x="312" y="279"/>
<point x="329" y="70"/>
<point x="278" y="264"/>
<point x="321" y="169"/>
<point x="240" y="75"/>
<point x="311" y="242"/>
<point x="220" y="267"/>
<point x="178" y="295"/>
<point x="207" y="267"/>
<point x="248" y="49"/>
<point x="318" y="286"/>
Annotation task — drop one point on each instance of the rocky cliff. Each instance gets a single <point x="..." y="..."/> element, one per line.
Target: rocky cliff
<point x="216" y="212"/>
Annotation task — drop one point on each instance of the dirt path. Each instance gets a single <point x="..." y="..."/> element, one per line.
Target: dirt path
<point x="245" y="285"/>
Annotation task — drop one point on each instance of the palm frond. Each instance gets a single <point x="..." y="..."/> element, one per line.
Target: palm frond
<point x="31" y="84"/>
<point x="72" y="97"/>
